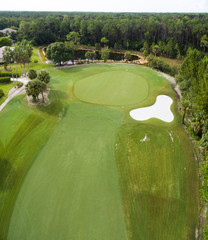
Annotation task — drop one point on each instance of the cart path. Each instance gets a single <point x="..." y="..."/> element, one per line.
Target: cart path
<point x="15" y="91"/>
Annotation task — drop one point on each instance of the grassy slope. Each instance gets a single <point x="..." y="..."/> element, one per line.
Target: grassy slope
<point x="24" y="131"/>
<point x="6" y="88"/>
<point x="132" y="186"/>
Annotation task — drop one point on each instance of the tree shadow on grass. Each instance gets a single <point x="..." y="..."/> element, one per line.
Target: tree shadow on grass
<point x="56" y="107"/>
<point x="7" y="173"/>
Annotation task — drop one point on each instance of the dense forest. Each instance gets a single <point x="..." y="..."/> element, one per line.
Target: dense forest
<point x="172" y="33"/>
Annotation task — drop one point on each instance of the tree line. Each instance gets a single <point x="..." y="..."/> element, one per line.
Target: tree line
<point x="193" y="82"/>
<point x="169" y="34"/>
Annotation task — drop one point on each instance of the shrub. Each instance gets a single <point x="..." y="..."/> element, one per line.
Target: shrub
<point x="1" y="93"/>
<point x="127" y="55"/>
<point x="4" y="79"/>
<point x="44" y="76"/>
<point x="32" y="74"/>
<point x="145" y="52"/>
<point x="19" y="84"/>
<point x="160" y="65"/>
<point x="5" y="74"/>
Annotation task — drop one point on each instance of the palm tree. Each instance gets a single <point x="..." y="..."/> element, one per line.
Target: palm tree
<point x="43" y="88"/>
<point x="185" y="106"/>
<point x="16" y="53"/>
<point x="25" y="53"/>
<point x="34" y="88"/>
<point x="8" y="57"/>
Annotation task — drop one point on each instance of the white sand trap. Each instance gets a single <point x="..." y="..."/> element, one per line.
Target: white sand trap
<point x="160" y="110"/>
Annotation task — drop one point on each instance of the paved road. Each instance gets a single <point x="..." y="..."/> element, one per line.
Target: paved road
<point x="15" y="91"/>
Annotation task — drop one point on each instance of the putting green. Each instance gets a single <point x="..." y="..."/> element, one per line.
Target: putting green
<point x="112" y="88"/>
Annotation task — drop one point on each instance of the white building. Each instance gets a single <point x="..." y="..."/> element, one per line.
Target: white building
<point x="7" y="30"/>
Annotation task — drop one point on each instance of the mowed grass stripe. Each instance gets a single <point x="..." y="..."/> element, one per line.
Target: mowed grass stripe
<point x="72" y="190"/>
<point x="23" y="134"/>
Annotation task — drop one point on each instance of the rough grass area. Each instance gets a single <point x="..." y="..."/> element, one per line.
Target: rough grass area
<point x="172" y="62"/>
<point x="6" y="88"/>
<point x="74" y="170"/>
<point x="158" y="181"/>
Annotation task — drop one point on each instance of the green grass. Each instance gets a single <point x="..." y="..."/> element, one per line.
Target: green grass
<point x="36" y="66"/>
<point x="76" y="191"/>
<point x="40" y="64"/>
<point x="77" y="170"/>
<point x="6" y="88"/>
<point x="112" y="88"/>
<point x="158" y="181"/>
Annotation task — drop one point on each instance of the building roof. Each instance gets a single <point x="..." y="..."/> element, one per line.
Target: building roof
<point x="8" y="30"/>
<point x="2" y="50"/>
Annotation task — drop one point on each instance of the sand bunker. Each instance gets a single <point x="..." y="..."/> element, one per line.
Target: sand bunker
<point x="160" y="110"/>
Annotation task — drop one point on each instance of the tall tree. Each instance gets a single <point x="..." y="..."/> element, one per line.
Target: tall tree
<point x="44" y="77"/>
<point x="204" y="42"/>
<point x="104" y="41"/>
<point x="5" y="41"/>
<point x="25" y="53"/>
<point x="34" y="88"/>
<point x="105" y="54"/>
<point x="58" y="52"/>
<point x="8" y="57"/>
<point x="185" y="106"/>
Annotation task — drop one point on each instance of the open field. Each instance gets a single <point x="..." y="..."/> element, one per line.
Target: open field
<point x="77" y="168"/>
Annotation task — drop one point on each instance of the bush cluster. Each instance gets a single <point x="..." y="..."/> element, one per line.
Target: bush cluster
<point x="19" y="84"/>
<point x="32" y="74"/>
<point x="4" y="79"/>
<point x="159" y="64"/>
<point x="1" y="93"/>
<point x="8" y="74"/>
<point x="5" y="74"/>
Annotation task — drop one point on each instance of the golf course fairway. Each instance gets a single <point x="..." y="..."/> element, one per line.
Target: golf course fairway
<point x="81" y="168"/>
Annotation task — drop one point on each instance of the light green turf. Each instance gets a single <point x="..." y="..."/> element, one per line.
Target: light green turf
<point x="74" y="170"/>
<point x="6" y="88"/>
<point x="112" y="88"/>
<point x="72" y="190"/>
